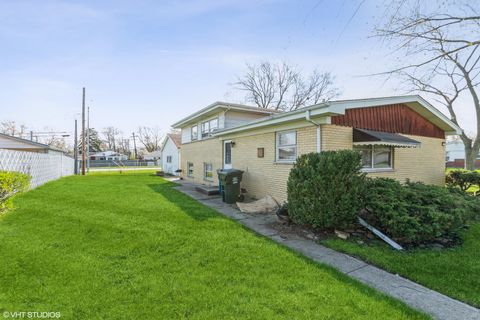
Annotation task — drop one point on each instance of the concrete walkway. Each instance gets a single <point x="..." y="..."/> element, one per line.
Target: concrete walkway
<point x="411" y="293"/>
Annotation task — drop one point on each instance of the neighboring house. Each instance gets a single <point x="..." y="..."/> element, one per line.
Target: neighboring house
<point x="171" y="153"/>
<point x="455" y="156"/>
<point x="108" y="155"/>
<point x="153" y="156"/>
<point x="401" y="137"/>
<point x="19" y="144"/>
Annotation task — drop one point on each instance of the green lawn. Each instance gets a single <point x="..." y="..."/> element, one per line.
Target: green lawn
<point x="454" y="272"/>
<point x="129" y="246"/>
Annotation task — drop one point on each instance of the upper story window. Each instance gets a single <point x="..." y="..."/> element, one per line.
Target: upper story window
<point x="194" y="133"/>
<point x="169" y="159"/>
<point x="375" y="157"/>
<point x="286" y="146"/>
<point x="209" y="126"/>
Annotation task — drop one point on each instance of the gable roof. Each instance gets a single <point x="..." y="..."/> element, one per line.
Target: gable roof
<point x="219" y="105"/>
<point x="331" y="108"/>
<point x="176" y="139"/>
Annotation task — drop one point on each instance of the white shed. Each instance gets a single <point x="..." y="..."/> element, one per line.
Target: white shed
<point x="171" y="153"/>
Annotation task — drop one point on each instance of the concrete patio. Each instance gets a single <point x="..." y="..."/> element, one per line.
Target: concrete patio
<point x="431" y="302"/>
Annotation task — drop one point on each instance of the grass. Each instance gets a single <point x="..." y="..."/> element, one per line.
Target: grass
<point x="454" y="272"/>
<point x="129" y="246"/>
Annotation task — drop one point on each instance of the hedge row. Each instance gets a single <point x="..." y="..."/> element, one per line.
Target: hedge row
<point x="328" y="190"/>
<point x="416" y="212"/>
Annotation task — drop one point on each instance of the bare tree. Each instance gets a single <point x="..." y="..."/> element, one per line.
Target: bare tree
<point x="57" y="142"/>
<point x="11" y="128"/>
<point x="440" y="57"/>
<point x="111" y="135"/>
<point x="283" y="87"/>
<point x="8" y="127"/>
<point x="123" y="145"/>
<point x="150" y="137"/>
<point x="323" y="88"/>
<point x="259" y="83"/>
<point x="319" y="88"/>
<point x="285" y="78"/>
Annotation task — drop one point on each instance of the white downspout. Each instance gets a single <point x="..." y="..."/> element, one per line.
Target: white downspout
<point x="319" y="133"/>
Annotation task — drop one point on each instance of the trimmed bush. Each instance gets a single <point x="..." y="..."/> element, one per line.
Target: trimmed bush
<point x="10" y="184"/>
<point x="463" y="179"/>
<point x="416" y="212"/>
<point x="325" y="189"/>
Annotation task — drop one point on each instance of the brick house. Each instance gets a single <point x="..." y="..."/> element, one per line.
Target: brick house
<point x="401" y="137"/>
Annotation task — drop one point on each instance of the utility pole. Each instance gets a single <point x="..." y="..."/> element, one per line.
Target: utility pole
<point x="31" y="135"/>
<point x="75" y="149"/>
<point x="134" y="145"/>
<point x="84" y="145"/>
<point x="88" y="139"/>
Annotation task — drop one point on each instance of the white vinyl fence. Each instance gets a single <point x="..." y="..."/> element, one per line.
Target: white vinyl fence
<point x="42" y="167"/>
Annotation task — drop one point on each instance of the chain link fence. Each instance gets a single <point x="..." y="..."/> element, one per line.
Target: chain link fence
<point x="42" y="167"/>
<point x="123" y="163"/>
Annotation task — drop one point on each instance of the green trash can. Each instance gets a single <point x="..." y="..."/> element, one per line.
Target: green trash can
<point x="229" y="180"/>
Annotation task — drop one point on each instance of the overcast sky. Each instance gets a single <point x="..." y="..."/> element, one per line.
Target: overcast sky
<point x="153" y="62"/>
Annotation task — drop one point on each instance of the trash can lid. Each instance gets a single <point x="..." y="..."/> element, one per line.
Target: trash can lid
<point x="228" y="171"/>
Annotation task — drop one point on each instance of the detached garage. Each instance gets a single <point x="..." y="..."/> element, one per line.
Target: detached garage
<point x="171" y="153"/>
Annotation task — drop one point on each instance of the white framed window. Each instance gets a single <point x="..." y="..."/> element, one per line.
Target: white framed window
<point x="189" y="169"/>
<point x="194" y="133"/>
<point x="286" y="146"/>
<point x="209" y="126"/>
<point x="208" y="171"/>
<point x="169" y="159"/>
<point x="376" y="157"/>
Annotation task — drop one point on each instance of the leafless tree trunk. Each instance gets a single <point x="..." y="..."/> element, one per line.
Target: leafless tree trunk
<point x="123" y="146"/>
<point x="440" y="57"/>
<point x="150" y="137"/>
<point x="283" y="87"/>
<point x="286" y="77"/>
<point x="111" y="135"/>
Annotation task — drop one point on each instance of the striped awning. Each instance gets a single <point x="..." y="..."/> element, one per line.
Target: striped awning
<point x="369" y="137"/>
